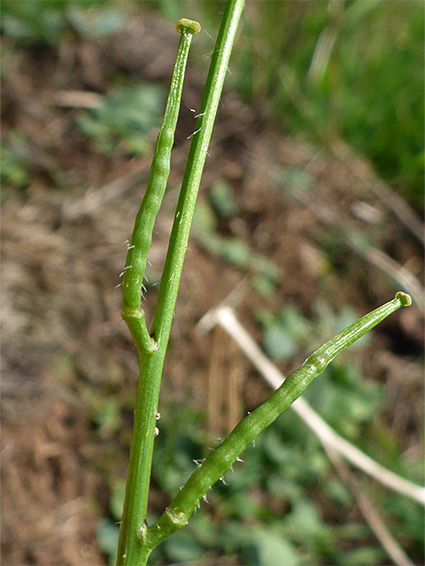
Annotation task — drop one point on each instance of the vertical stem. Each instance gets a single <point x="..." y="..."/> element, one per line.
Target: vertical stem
<point x="195" y="165"/>
<point x="132" y="550"/>
<point x="151" y="358"/>
<point x="143" y="226"/>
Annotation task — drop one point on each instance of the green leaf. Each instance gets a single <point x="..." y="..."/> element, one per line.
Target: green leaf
<point x="49" y="20"/>
<point x="107" y="534"/>
<point x="279" y="343"/>
<point x="14" y="166"/>
<point x="95" y="24"/>
<point x="223" y="200"/>
<point x="283" y="487"/>
<point x="337" y="491"/>
<point x="204" y="222"/>
<point x="369" y="555"/>
<point x="124" y="120"/>
<point x="285" y="335"/>
<point x="304" y="521"/>
<point x="236" y="252"/>
<point x="107" y="416"/>
<point x="182" y="547"/>
<point x="274" y="549"/>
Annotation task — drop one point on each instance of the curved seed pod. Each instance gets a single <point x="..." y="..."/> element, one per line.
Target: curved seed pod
<point x="221" y="459"/>
<point x="143" y="227"/>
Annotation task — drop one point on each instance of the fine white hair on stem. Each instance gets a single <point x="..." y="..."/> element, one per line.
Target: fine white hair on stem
<point x="225" y="317"/>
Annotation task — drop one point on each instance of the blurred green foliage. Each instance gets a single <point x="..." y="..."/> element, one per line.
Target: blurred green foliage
<point x="15" y="158"/>
<point x="223" y="200"/>
<point x="320" y="69"/>
<point x="273" y="505"/>
<point x="107" y="535"/>
<point x="50" y="20"/>
<point x="353" y="70"/>
<point x="366" y="85"/>
<point x="107" y="415"/>
<point x="330" y="69"/>
<point x="264" y="274"/>
<point x="123" y="121"/>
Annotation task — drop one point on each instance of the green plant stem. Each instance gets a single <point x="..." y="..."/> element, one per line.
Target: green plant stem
<point x="221" y="459"/>
<point x="151" y="358"/>
<point x="170" y="279"/>
<point x="152" y="346"/>
<point x="141" y="237"/>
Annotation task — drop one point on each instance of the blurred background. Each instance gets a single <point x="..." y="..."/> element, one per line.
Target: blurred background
<point x="311" y="207"/>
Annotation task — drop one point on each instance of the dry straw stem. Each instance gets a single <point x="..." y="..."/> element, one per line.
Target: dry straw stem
<point x="225" y="317"/>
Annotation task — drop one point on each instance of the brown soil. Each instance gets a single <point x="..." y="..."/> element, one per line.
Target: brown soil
<point x="64" y="344"/>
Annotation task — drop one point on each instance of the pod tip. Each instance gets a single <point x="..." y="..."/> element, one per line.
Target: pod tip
<point x="404" y="298"/>
<point x="189" y="25"/>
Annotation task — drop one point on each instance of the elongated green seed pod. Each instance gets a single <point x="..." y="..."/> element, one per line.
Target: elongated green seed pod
<point x="151" y="360"/>
<point x="220" y="460"/>
<point x="143" y="227"/>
